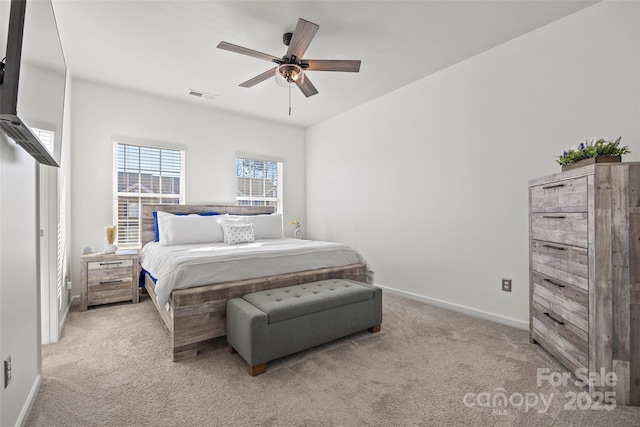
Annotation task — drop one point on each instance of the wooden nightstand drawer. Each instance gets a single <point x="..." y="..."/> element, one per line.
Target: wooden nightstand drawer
<point x="109" y="278"/>
<point x="107" y="291"/>
<point x="99" y="283"/>
<point x="562" y="196"/>
<point x="109" y="270"/>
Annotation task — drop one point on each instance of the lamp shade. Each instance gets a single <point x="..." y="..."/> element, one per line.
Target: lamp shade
<point x="289" y="74"/>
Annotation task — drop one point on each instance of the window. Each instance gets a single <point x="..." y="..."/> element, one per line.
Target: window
<point x="259" y="182"/>
<point x="46" y="137"/>
<point x="143" y="175"/>
<point x="53" y="230"/>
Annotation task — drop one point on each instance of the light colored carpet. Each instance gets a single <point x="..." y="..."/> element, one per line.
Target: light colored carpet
<point x="112" y="368"/>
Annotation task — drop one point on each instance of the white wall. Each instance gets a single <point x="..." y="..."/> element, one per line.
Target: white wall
<point x="64" y="215"/>
<point x="19" y="293"/>
<point x="211" y="139"/>
<point x="430" y="181"/>
<point x="19" y="290"/>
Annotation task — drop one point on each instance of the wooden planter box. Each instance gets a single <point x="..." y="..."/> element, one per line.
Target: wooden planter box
<point x="592" y="160"/>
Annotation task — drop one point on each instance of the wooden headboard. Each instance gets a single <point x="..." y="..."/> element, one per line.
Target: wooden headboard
<point x="147" y="226"/>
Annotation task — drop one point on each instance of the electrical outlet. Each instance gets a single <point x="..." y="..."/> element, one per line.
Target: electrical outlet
<point x="7" y="371"/>
<point x="506" y="285"/>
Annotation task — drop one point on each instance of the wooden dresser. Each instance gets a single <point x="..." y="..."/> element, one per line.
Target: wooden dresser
<point x="108" y="278"/>
<point x="584" y="259"/>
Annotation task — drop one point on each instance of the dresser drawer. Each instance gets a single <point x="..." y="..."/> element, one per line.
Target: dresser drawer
<point x="561" y="196"/>
<point x="567" y="228"/>
<point x="568" y="264"/>
<point x="567" y="301"/>
<point x="560" y="337"/>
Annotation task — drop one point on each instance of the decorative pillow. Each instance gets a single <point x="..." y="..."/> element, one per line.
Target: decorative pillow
<point x="239" y="233"/>
<point x="231" y="220"/>
<point x="266" y="226"/>
<point x="184" y="229"/>
<point x="155" y="220"/>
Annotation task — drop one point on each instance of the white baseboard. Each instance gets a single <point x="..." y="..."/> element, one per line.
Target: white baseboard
<point x="516" y="323"/>
<point x="31" y="399"/>
<point x="64" y="316"/>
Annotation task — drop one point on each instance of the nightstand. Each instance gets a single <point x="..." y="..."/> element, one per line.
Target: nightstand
<point x="108" y="278"/>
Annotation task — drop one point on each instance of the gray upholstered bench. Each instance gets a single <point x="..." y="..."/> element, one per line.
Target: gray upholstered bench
<point x="266" y="325"/>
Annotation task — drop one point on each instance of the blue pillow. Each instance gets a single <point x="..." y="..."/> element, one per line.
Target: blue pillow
<point x="155" y="220"/>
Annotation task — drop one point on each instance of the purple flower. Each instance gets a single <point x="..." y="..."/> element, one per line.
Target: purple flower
<point x="582" y="146"/>
<point x="564" y="154"/>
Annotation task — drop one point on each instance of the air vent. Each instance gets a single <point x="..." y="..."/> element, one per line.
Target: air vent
<point x="200" y="94"/>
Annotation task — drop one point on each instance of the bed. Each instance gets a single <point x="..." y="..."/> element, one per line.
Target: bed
<point x="198" y="313"/>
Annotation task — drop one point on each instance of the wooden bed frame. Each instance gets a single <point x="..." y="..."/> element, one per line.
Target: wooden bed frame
<point x="199" y="314"/>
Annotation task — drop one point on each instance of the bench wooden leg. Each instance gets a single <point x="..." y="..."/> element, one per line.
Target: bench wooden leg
<point x="258" y="369"/>
<point x="374" y="329"/>
<point x="253" y="370"/>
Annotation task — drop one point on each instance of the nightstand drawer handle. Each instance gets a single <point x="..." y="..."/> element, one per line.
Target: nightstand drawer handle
<point x="554" y="319"/>
<point x="553" y="247"/>
<point x="106" y="282"/>
<point x="553" y="186"/>
<point x="554" y="283"/>
<point x="554" y="217"/>
<point x="111" y="263"/>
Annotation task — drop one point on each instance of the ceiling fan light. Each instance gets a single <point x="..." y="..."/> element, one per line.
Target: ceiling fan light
<point x="289" y="74"/>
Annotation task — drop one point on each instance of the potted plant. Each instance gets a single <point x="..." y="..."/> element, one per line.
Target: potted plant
<point x="298" y="231"/>
<point x="110" y="236"/>
<point x="594" y="151"/>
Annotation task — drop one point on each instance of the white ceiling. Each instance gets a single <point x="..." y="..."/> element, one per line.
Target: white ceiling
<point x="167" y="47"/>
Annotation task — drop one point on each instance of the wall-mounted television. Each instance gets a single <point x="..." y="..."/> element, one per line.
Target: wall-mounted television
<point x="33" y="79"/>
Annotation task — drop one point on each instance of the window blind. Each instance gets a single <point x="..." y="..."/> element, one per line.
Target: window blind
<point x="46" y="137"/>
<point x="259" y="182"/>
<point x="143" y="175"/>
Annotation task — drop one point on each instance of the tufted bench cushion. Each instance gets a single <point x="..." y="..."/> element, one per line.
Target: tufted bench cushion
<point x="266" y="325"/>
<point x="295" y="301"/>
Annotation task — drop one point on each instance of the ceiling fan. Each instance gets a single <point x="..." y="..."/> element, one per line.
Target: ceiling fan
<point x="291" y="67"/>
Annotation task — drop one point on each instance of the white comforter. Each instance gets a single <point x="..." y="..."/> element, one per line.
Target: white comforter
<point x="185" y="266"/>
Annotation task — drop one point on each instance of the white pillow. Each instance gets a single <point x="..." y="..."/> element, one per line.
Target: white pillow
<point x="184" y="229"/>
<point x="266" y="226"/>
<point x="230" y="220"/>
<point x="239" y="233"/>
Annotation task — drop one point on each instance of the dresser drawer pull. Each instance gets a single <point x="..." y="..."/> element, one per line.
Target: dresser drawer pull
<point x="553" y="247"/>
<point x="553" y="186"/>
<point x="111" y="263"/>
<point x="554" y="319"/>
<point x="554" y="216"/>
<point x="106" y="282"/>
<point x="554" y="283"/>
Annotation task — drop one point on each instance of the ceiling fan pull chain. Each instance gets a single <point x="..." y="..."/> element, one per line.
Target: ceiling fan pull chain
<point x="289" y="98"/>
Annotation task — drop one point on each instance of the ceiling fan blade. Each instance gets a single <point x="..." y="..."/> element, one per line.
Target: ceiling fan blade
<point x="307" y="87"/>
<point x="245" y="51"/>
<point x="331" y="65"/>
<point x="302" y="36"/>
<point x="259" y="78"/>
